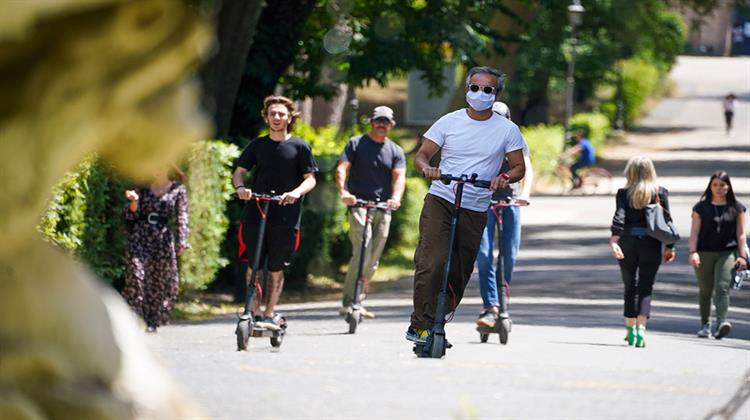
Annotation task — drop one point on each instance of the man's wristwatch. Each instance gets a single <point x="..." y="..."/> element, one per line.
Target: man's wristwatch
<point x="237" y="187"/>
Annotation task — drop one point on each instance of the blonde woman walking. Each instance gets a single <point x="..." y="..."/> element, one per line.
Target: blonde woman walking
<point x="638" y="254"/>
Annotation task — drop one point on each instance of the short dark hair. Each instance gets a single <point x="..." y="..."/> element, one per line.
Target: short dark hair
<point x="499" y="85"/>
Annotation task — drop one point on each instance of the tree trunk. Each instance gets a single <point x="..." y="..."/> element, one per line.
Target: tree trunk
<point x="235" y="26"/>
<point x="273" y="50"/>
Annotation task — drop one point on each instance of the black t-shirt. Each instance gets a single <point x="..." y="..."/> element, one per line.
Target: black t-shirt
<point x="372" y="163"/>
<point x="718" y="226"/>
<point x="280" y="167"/>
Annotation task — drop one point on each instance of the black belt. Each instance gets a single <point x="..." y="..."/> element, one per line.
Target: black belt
<point x="636" y="231"/>
<point x="155" y="219"/>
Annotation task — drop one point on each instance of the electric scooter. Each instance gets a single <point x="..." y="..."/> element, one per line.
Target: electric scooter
<point x="247" y="326"/>
<point x="354" y="314"/>
<point x="435" y="344"/>
<point x="503" y="324"/>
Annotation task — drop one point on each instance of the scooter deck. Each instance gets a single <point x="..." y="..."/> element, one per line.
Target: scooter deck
<point x="265" y="332"/>
<point x="483" y="329"/>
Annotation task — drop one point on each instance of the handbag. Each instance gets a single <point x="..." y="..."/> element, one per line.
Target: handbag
<point x="657" y="225"/>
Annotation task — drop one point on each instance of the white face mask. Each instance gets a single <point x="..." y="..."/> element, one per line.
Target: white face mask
<point x="479" y="100"/>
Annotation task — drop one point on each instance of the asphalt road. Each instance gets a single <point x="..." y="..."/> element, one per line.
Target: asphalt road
<point x="566" y="357"/>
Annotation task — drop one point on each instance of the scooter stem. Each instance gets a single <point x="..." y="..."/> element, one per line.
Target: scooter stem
<point x="439" y="326"/>
<point x="361" y="268"/>
<point x="256" y="262"/>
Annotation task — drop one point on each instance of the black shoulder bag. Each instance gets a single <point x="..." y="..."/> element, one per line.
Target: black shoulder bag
<point x="657" y="225"/>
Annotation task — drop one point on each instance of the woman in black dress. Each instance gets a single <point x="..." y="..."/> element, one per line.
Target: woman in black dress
<point x="638" y="254"/>
<point x="151" y="282"/>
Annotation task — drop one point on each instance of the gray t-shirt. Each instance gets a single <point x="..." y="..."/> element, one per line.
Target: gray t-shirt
<point x="469" y="146"/>
<point x="372" y="165"/>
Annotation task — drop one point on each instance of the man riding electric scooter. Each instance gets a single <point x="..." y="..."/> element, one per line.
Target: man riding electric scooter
<point x="283" y="164"/>
<point x="371" y="168"/>
<point x="473" y="143"/>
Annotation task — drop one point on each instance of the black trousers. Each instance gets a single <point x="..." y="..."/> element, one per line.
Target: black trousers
<point x="638" y="270"/>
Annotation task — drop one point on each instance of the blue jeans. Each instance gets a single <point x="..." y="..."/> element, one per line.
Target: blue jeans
<point x="510" y="234"/>
<point x="574" y="168"/>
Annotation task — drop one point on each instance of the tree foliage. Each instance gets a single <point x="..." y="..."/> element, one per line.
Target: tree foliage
<point x="610" y="31"/>
<point x="310" y="47"/>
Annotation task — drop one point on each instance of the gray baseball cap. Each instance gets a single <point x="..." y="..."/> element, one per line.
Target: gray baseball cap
<point x="383" y="111"/>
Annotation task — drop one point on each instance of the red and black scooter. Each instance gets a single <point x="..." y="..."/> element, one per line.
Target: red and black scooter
<point x="435" y="344"/>
<point x="503" y="324"/>
<point x="247" y="326"/>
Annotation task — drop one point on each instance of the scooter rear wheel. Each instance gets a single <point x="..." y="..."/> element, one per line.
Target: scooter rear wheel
<point x="483" y="337"/>
<point x="276" y="341"/>
<point x="244" y="327"/>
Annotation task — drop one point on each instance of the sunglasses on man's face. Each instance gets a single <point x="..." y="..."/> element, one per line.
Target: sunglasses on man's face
<point x="485" y="89"/>
<point x="382" y="120"/>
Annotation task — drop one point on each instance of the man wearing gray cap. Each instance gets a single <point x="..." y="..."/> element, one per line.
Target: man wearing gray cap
<point x="372" y="167"/>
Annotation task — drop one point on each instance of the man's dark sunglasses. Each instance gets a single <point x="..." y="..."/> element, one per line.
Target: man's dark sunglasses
<point x="382" y="120"/>
<point x="485" y="89"/>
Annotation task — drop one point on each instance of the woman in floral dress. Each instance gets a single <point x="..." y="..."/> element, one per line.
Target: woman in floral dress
<point x="152" y="281"/>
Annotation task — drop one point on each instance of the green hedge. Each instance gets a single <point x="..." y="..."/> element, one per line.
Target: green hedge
<point x="209" y="188"/>
<point x="596" y="124"/>
<point x="545" y="145"/>
<point x="84" y="217"/>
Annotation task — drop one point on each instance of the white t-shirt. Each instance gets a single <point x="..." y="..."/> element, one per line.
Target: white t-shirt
<point x="469" y="146"/>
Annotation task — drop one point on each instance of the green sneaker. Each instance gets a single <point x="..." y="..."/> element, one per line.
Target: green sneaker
<point x="640" y="339"/>
<point x="631" y="337"/>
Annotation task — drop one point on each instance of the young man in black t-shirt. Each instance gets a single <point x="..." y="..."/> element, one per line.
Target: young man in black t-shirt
<point x="376" y="170"/>
<point x="284" y="165"/>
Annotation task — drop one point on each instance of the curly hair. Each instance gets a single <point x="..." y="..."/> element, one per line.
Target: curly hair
<point x="283" y="100"/>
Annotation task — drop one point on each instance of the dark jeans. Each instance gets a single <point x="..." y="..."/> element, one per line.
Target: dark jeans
<point x="574" y="168"/>
<point x="728" y="115"/>
<point x="638" y="270"/>
<point x="432" y="253"/>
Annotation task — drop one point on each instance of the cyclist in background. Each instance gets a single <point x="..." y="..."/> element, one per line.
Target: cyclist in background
<point x="586" y="156"/>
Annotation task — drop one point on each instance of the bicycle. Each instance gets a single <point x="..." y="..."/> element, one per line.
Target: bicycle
<point x="594" y="179"/>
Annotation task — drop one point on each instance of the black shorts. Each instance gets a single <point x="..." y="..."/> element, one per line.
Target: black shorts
<point x="279" y="244"/>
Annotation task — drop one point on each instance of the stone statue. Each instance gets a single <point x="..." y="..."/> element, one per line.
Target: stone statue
<point x="105" y="76"/>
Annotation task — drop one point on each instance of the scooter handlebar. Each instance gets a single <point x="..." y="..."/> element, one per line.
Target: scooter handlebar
<point x="509" y="202"/>
<point x="380" y="205"/>
<point x="260" y="197"/>
<point x="468" y="179"/>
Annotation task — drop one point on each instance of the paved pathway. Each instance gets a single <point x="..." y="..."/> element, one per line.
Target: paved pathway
<point x="566" y="357"/>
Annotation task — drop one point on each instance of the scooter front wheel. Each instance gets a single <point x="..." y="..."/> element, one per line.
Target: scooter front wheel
<point x="504" y="330"/>
<point x="438" y="346"/>
<point x="244" y="327"/>
<point x="353" y="319"/>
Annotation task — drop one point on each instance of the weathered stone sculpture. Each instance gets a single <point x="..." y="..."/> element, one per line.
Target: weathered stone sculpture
<point x="77" y="77"/>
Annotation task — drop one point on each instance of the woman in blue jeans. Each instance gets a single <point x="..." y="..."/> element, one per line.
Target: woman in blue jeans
<point x="510" y="234"/>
